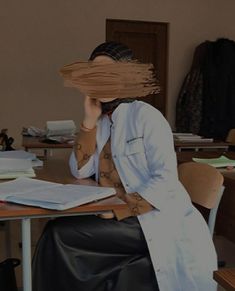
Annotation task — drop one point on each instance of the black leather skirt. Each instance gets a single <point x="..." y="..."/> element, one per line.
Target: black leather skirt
<point x="88" y="253"/>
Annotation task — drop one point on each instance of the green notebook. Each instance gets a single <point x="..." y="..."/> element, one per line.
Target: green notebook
<point x="220" y="162"/>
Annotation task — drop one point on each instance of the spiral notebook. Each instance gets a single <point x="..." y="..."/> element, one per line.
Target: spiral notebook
<point x="50" y="195"/>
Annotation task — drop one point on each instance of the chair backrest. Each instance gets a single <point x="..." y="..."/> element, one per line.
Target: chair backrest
<point x="204" y="184"/>
<point x="231" y="136"/>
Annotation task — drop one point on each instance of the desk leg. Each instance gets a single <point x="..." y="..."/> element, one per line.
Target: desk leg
<point x="8" y="238"/>
<point x="26" y="254"/>
<point x="45" y="153"/>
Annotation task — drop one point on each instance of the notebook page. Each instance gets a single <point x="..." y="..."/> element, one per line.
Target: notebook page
<point x="62" y="197"/>
<point x="23" y="185"/>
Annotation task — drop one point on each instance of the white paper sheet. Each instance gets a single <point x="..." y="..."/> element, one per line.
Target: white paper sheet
<point x="14" y="165"/>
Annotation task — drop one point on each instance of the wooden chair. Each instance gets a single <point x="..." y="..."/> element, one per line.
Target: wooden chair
<point x="226" y="278"/>
<point x="204" y="184"/>
<point x="231" y="136"/>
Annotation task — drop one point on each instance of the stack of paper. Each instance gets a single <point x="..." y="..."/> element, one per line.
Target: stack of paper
<point x="220" y="162"/>
<point x="60" y="128"/>
<point x="60" y="131"/>
<point x="190" y="137"/>
<point x="51" y="195"/>
<point x="20" y="154"/>
<point x="13" y="168"/>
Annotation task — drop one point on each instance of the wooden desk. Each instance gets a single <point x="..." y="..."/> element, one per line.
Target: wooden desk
<point x="30" y="143"/>
<point x="225" y="221"/>
<point x="225" y="278"/>
<point x="55" y="170"/>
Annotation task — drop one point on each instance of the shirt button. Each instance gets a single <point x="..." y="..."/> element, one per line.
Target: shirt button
<point x="114" y="156"/>
<point x="127" y="185"/>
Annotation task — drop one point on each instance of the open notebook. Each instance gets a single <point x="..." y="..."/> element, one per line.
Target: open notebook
<point x="51" y="195"/>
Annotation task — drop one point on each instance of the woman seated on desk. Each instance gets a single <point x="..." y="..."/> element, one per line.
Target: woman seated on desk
<point x="161" y="242"/>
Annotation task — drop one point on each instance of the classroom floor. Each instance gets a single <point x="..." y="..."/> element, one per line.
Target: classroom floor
<point x="225" y="248"/>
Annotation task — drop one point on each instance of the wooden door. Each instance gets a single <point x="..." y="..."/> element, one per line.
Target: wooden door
<point x="149" y="42"/>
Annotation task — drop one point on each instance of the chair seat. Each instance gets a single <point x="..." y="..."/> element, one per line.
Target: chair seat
<point x="225" y="278"/>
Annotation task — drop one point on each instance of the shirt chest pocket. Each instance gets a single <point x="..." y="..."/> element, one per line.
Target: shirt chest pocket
<point x="135" y="146"/>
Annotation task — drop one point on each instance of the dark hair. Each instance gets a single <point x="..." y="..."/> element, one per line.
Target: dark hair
<point x="115" y="50"/>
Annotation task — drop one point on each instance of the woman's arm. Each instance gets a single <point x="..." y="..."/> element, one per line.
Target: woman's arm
<point x="81" y="160"/>
<point x="85" y="146"/>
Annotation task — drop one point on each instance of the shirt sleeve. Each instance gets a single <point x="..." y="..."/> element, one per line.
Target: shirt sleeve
<point x="85" y="146"/>
<point x="137" y="204"/>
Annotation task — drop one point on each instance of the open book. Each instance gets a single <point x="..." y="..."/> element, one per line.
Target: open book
<point x="51" y="195"/>
<point x="220" y="162"/>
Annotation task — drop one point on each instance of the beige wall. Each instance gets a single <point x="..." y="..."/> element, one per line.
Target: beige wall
<point x="38" y="37"/>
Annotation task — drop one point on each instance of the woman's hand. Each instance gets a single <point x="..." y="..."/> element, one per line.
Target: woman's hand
<point x="92" y="110"/>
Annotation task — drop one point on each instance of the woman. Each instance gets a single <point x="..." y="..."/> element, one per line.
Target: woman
<point x="154" y="245"/>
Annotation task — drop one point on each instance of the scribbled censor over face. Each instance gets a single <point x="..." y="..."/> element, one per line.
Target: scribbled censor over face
<point x="121" y="79"/>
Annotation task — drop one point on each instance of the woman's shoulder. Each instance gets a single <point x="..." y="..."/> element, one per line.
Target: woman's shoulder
<point x="143" y="108"/>
<point x="147" y="115"/>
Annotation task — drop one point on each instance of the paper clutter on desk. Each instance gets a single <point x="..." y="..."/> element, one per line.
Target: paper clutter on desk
<point x="190" y="137"/>
<point x="23" y="155"/>
<point x="220" y="162"/>
<point x="60" y="128"/>
<point x="51" y="195"/>
<point x="14" y="168"/>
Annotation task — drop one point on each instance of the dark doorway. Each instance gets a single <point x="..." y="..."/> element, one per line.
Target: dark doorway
<point x="149" y="42"/>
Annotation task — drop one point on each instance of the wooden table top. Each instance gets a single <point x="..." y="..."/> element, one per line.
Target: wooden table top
<point x="14" y="211"/>
<point x="29" y="142"/>
<point x="57" y="170"/>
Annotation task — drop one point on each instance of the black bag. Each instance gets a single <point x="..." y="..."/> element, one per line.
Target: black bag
<point x="5" y="141"/>
<point x="7" y="274"/>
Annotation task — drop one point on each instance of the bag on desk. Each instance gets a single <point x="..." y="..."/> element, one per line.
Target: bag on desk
<point x="5" y="141"/>
<point x="7" y="274"/>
